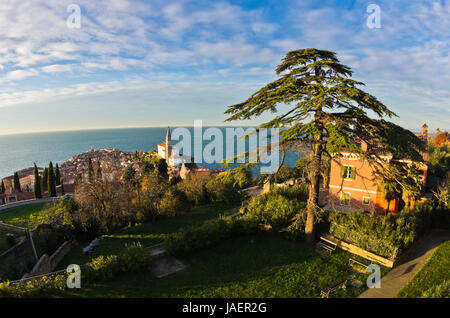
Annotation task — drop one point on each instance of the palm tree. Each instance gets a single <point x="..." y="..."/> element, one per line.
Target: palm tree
<point x="389" y="185"/>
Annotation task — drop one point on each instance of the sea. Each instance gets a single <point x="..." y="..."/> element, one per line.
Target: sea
<point x="22" y="150"/>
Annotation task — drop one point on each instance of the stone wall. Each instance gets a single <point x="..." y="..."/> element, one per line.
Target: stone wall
<point x="47" y="264"/>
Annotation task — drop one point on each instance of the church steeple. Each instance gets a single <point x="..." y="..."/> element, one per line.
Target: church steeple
<point x="168" y="145"/>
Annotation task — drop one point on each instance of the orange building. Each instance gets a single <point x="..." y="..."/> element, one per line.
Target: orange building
<point x="353" y="186"/>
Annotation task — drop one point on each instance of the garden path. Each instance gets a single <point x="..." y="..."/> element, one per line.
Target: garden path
<point x="399" y="276"/>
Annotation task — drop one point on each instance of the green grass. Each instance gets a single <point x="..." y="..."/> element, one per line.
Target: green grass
<point x="264" y="265"/>
<point x="35" y="214"/>
<point x="434" y="272"/>
<point x="147" y="234"/>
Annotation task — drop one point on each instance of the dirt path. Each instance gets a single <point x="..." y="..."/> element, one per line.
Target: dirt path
<point x="393" y="281"/>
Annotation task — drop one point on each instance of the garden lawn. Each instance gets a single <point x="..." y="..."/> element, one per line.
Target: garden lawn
<point x="434" y="272"/>
<point x="147" y="234"/>
<point x="35" y="214"/>
<point x="264" y="265"/>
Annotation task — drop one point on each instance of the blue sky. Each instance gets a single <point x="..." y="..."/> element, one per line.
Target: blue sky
<point x="136" y="63"/>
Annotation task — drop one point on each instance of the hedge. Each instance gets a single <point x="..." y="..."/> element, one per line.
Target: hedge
<point x="389" y="235"/>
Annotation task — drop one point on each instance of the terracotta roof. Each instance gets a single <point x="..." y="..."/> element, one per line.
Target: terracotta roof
<point x="163" y="144"/>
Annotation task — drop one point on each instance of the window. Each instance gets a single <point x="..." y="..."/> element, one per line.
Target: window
<point x="348" y="172"/>
<point x="366" y="200"/>
<point x="345" y="198"/>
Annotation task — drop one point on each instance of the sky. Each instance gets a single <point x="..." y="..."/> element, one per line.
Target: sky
<point x="141" y="63"/>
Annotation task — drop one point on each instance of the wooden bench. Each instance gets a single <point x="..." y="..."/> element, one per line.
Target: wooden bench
<point x="354" y="260"/>
<point x="325" y="247"/>
<point x="327" y="291"/>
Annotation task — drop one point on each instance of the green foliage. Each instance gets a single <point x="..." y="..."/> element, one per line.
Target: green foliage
<point x="57" y="175"/>
<point x="16" y="181"/>
<point x="439" y="159"/>
<point x="208" y="234"/>
<point x="433" y="279"/>
<point x="174" y="202"/>
<point x="51" y="182"/>
<point x="134" y="258"/>
<point x="284" y="174"/>
<point x="439" y="291"/>
<point x="34" y="288"/>
<point x="275" y="208"/>
<point x="194" y="185"/>
<point x="328" y="112"/>
<point x="129" y="175"/>
<point x="35" y="215"/>
<point x="103" y="268"/>
<point x="219" y="191"/>
<point x="37" y="183"/>
<point x="44" y="180"/>
<point x="388" y="235"/>
<point x="239" y="177"/>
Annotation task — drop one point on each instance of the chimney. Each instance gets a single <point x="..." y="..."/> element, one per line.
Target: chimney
<point x="425" y="132"/>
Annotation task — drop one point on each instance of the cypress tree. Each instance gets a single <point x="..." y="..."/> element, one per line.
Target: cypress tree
<point x="62" y="189"/>
<point x="51" y="181"/>
<point x="16" y="181"/>
<point x="57" y="176"/>
<point x="37" y="183"/>
<point x="90" y="171"/>
<point x="2" y="187"/>
<point x="44" y="180"/>
<point x="99" y="170"/>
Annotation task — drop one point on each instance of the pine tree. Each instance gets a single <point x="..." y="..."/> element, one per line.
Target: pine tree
<point x="99" y="170"/>
<point x="16" y="181"/>
<point x="57" y="175"/>
<point x="327" y="113"/>
<point x="90" y="171"/>
<point x="51" y="186"/>
<point x="44" y="180"/>
<point x="37" y="183"/>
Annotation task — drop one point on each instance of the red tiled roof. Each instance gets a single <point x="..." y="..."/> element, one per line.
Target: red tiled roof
<point x="163" y="144"/>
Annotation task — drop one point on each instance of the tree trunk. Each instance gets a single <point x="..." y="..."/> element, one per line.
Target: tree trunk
<point x="387" y="207"/>
<point x="314" y="189"/>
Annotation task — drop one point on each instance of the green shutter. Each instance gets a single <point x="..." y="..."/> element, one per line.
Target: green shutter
<point x="342" y="171"/>
<point x="352" y="173"/>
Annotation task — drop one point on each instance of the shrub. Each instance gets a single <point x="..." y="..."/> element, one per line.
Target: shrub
<point x="194" y="186"/>
<point x="208" y="234"/>
<point x="101" y="268"/>
<point x="284" y="174"/>
<point x="223" y="192"/>
<point x="134" y="258"/>
<point x="274" y="208"/>
<point x="174" y="202"/>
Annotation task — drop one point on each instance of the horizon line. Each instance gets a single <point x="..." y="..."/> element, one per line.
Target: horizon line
<point x="111" y="128"/>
